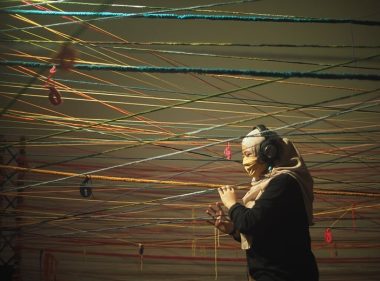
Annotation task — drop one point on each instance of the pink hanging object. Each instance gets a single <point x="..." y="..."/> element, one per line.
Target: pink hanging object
<point x="52" y="70"/>
<point x="54" y="96"/>
<point x="227" y="151"/>
<point x="328" y="235"/>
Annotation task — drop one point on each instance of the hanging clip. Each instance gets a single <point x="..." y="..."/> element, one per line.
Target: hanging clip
<point x="52" y="71"/>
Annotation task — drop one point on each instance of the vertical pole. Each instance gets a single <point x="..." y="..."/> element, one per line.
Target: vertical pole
<point x="10" y="250"/>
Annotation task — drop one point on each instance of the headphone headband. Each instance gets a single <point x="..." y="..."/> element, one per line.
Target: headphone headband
<point x="264" y="131"/>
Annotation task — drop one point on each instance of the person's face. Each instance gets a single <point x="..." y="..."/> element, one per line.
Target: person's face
<point x="251" y="163"/>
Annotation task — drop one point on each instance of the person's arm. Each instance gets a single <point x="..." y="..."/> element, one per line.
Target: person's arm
<point x="270" y="208"/>
<point x="235" y="234"/>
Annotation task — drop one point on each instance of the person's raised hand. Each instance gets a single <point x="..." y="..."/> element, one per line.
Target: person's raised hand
<point x="227" y="195"/>
<point x="219" y="219"/>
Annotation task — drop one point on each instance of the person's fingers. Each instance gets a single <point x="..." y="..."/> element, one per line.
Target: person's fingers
<point x="220" y="190"/>
<point x="211" y="222"/>
<point x="227" y="189"/>
<point x="211" y="211"/>
<point x="218" y="221"/>
<point x="219" y="206"/>
<point x="209" y="206"/>
<point x="212" y="215"/>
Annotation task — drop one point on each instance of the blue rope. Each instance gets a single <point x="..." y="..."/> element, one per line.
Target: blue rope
<point x="215" y="71"/>
<point x="194" y="17"/>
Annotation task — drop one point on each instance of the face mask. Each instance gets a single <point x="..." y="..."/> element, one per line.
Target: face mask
<point x="253" y="167"/>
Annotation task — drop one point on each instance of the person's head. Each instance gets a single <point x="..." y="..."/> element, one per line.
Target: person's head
<point x="260" y="150"/>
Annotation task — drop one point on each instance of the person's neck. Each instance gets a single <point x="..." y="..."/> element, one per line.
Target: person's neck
<point x="263" y="175"/>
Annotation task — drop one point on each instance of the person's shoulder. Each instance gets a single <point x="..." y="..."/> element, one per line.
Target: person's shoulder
<point x="283" y="179"/>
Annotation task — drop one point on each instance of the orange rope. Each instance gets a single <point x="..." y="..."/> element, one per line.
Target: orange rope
<point x="181" y="183"/>
<point x="110" y="178"/>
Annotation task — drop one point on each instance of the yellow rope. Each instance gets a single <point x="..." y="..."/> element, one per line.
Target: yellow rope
<point x="345" y="193"/>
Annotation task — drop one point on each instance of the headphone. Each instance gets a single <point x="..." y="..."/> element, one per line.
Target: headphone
<point x="269" y="150"/>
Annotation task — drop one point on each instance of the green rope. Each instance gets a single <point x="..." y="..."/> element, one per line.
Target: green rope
<point x="194" y="17"/>
<point x="215" y="71"/>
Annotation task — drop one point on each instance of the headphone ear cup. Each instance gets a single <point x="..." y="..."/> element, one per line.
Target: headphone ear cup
<point x="268" y="151"/>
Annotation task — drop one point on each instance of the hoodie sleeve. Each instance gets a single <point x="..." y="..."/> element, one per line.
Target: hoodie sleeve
<point x="280" y="200"/>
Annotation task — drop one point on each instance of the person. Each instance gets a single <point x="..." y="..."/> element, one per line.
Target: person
<point x="272" y="222"/>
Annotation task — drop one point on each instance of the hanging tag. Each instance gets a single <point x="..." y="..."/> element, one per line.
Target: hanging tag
<point x="353" y="217"/>
<point x="141" y="249"/>
<point x="328" y="235"/>
<point x="84" y="189"/>
<point x="141" y="254"/>
<point x="193" y="247"/>
<point x="54" y="96"/>
<point x="227" y="151"/>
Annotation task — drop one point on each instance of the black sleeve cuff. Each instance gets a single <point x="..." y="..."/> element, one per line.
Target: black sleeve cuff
<point x="232" y="209"/>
